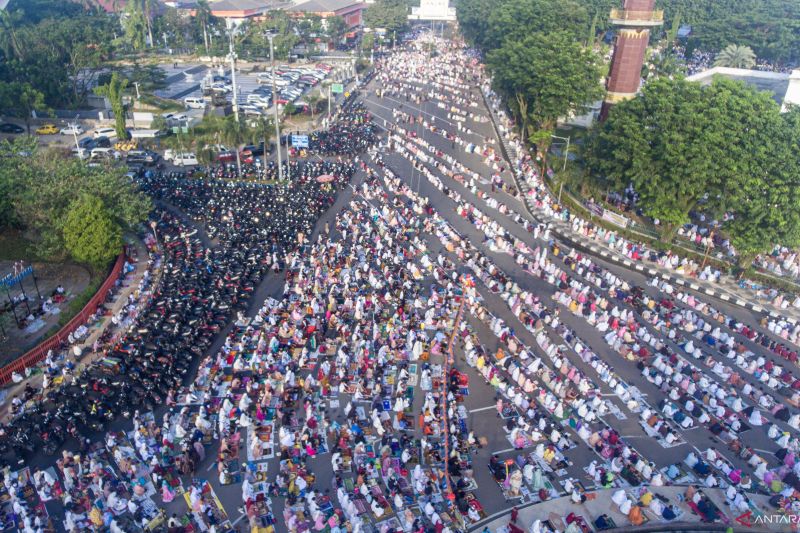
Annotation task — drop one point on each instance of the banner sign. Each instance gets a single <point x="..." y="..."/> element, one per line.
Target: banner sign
<point x="337" y="88"/>
<point x="300" y="141"/>
<point x="614" y="218"/>
<point x="10" y="279"/>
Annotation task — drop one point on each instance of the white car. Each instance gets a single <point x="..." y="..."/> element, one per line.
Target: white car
<point x="72" y="129"/>
<point x="104" y="153"/>
<point x="104" y="132"/>
<point x="193" y="102"/>
<point x="250" y="110"/>
<point x="181" y="158"/>
<point x="221" y="87"/>
<point x="80" y="153"/>
<point x="175" y="117"/>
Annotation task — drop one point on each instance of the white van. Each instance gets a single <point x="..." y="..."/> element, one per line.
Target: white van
<point x="183" y="158"/>
<point x="104" y="153"/>
<point x="104" y="132"/>
<point x="194" y="102"/>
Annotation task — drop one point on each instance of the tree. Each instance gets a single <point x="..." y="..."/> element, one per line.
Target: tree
<point x="147" y="11"/>
<point x="135" y="25"/>
<point x="202" y="14"/>
<point x="9" y="39"/>
<point x="548" y="76"/>
<point x="391" y="15"/>
<point x="262" y="130"/>
<point x="21" y="100"/>
<point x="735" y="56"/>
<point x="672" y="34"/>
<point x="37" y="190"/>
<point x="765" y="206"/>
<point x="234" y="133"/>
<point x="514" y="20"/>
<point x="684" y="147"/>
<point x="335" y="27"/>
<point x="368" y="41"/>
<point x="592" y="37"/>
<point x="114" y="90"/>
<point x="90" y="233"/>
<point x="313" y="101"/>
<point x="473" y="19"/>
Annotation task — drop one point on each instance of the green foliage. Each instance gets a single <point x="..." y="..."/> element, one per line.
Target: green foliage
<point x="20" y="100"/>
<point x="368" y="41"/>
<point x="549" y="75"/>
<point x="770" y="27"/>
<point x="39" y="188"/>
<point x="135" y="25"/>
<point x="735" y="56"/>
<point x="90" y="233"/>
<point x="722" y="148"/>
<point x="77" y="304"/>
<point x="56" y="47"/>
<point x="391" y="15"/>
<point x="114" y="91"/>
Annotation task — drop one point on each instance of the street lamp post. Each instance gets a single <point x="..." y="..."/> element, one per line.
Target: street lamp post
<point x="235" y="98"/>
<point x="564" y="168"/>
<point x="275" y="106"/>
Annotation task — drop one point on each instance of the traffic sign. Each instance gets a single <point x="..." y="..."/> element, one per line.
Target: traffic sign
<point x="337" y="88"/>
<point x="300" y="141"/>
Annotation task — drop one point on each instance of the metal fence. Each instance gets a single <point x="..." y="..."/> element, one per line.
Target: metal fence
<point x="53" y="343"/>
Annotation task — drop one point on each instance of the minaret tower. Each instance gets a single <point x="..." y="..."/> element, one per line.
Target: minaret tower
<point x="634" y="21"/>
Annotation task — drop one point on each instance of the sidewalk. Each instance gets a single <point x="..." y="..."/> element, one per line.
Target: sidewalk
<point x="601" y="503"/>
<point x="726" y="289"/>
<point x="130" y="284"/>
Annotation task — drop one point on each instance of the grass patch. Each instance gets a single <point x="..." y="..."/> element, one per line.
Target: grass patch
<point x="79" y="302"/>
<point x="14" y="247"/>
<point x="164" y="104"/>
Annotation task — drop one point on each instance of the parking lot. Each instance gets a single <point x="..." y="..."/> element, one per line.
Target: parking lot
<point x="187" y="80"/>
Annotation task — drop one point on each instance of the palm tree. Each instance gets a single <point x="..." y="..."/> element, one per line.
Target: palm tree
<point x="202" y="14"/>
<point x="10" y="40"/>
<point x="735" y="56"/>
<point x="261" y="130"/>
<point x="234" y="133"/>
<point x="147" y="8"/>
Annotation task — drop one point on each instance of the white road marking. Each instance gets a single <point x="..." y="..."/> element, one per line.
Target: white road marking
<point x="478" y="410"/>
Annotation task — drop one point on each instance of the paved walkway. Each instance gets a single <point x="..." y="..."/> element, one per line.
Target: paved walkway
<point x="139" y="254"/>
<point x="600" y="503"/>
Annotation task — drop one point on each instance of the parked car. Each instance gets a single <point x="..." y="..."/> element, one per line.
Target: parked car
<point x="142" y="157"/>
<point x="47" y="129"/>
<point x="102" y="142"/>
<point x="88" y="143"/>
<point x="8" y="127"/>
<point x="193" y="102"/>
<point x="253" y="150"/>
<point x="80" y="153"/>
<point x="182" y="158"/>
<point x="104" y="153"/>
<point x="250" y="110"/>
<point x="72" y="129"/>
<point x="226" y="156"/>
<point x="104" y="132"/>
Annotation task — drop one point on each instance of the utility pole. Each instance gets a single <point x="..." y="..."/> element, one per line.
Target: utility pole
<point x="235" y="98"/>
<point x="275" y="107"/>
<point x="566" y="150"/>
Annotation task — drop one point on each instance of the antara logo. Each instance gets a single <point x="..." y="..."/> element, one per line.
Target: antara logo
<point x="748" y="520"/>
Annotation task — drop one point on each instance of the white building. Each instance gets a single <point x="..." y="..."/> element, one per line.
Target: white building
<point x="433" y="10"/>
<point x="785" y="88"/>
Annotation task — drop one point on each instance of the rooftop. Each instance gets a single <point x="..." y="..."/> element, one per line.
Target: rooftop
<point x="785" y="88"/>
<point x="324" y="6"/>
